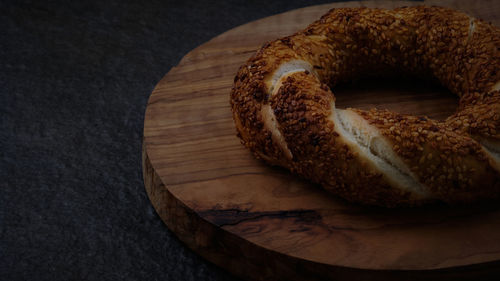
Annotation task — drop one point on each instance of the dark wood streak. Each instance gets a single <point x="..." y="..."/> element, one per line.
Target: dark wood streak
<point x="236" y="216"/>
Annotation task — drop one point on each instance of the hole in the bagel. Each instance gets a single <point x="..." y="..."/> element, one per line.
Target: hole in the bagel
<point x="403" y="95"/>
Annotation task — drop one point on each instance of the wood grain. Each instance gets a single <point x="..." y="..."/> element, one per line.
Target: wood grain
<point x="262" y="223"/>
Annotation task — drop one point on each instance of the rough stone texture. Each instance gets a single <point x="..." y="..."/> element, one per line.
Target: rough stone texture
<point x="75" y="77"/>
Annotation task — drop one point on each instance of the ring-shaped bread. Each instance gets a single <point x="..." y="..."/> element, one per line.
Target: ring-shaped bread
<point x="284" y="109"/>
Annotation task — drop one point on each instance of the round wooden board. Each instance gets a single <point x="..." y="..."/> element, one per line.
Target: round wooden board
<point x="261" y="222"/>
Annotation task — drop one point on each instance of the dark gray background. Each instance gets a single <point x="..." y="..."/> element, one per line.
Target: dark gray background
<point x="74" y="82"/>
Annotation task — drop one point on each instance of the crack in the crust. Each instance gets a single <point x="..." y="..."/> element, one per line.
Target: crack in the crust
<point x="495" y="87"/>
<point x="367" y="147"/>
<point x="286" y="69"/>
<point x="231" y="217"/>
<point x="411" y="180"/>
<point x="267" y="113"/>
<point x="271" y="124"/>
<point x="472" y="28"/>
<point x="492" y="149"/>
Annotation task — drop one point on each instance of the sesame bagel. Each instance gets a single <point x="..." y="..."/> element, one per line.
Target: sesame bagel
<point x="284" y="109"/>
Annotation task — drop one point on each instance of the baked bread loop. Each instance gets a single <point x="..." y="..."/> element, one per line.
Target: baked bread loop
<point x="284" y="109"/>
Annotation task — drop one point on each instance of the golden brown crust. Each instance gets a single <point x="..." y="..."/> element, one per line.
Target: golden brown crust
<point x="479" y="116"/>
<point x="482" y="57"/>
<point x="453" y="165"/>
<point x="447" y="158"/>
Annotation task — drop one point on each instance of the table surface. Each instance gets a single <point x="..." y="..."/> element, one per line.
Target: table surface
<point x="74" y="83"/>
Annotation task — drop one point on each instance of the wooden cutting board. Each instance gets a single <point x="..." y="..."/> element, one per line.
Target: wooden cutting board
<point x="261" y="222"/>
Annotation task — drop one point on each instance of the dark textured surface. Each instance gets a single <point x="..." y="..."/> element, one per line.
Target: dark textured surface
<point x="74" y="83"/>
